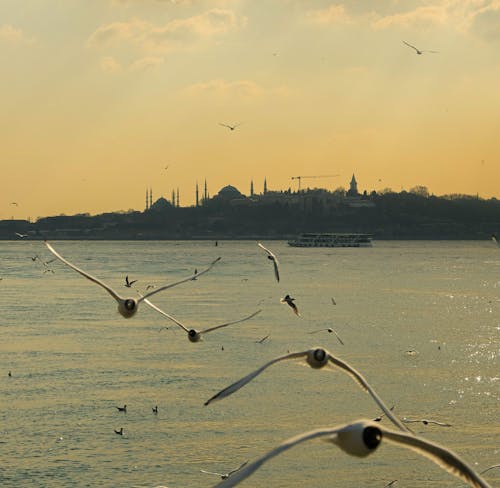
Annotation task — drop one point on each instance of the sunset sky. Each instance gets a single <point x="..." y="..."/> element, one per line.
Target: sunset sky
<point x="99" y="96"/>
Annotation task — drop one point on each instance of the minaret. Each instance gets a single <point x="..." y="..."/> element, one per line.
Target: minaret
<point x="353" y="187"/>
<point x="205" y="194"/>
<point x="251" y="188"/>
<point x="197" y="195"/>
<point x="265" y="186"/>
<point x="173" y="198"/>
<point x="150" y="197"/>
<point x="147" y="207"/>
<point x="178" y="204"/>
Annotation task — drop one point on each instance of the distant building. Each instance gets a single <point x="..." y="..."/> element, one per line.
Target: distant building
<point x="353" y="188"/>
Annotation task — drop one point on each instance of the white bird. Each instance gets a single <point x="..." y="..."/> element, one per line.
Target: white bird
<point x="495" y="240"/>
<point x="425" y="422"/>
<point x="271" y="256"/>
<point x="289" y="301"/>
<point x="362" y="438"/>
<point x="329" y="330"/>
<point x="193" y="334"/>
<point x="224" y="476"/>
<point x="317" y="359"/>
<point x="127" y="306"/>
<point x="230" y="127"/>
<point x="419" y="51"/>
<point x="21" y="236"/>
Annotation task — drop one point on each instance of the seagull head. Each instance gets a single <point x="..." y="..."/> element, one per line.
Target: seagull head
<point x="317" y="358"/>
<point x="358" y="439"/>
<point x="194" y="335"/>
<point x="127" y="307"/>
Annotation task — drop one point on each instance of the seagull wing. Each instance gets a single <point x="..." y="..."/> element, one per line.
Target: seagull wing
<point x="443" y="457"/>
<point x="316" y="331"/>
<point x="230" y="323"/>
<point x="189" y="278"/>
<point x="274" y="259"/>
<point x="491" y="467"/>
<point x="225" y="125"/>
<point x="83" y="273"/>
<point x="413" y="47"/>
<point x="243" y="381"/>
<point x="248" y="470"/>
<point x="242" y="465"/>
<point x="338" y="337"/>
<point x="360" y="379"/>
<point x="165" y="314"/>
<point x="211" y="472"/>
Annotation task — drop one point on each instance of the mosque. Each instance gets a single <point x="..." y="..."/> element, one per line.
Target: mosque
<point x="231" y="194"/>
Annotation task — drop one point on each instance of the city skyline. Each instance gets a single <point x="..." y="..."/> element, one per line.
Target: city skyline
<point x="104" y="99"/>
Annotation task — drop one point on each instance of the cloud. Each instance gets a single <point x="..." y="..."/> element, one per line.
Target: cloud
<point x="419" y="17"/>
<point x="110" y="65"/>
<point x="485" y="21"/>
<point x="146" y="63"/>
<point x="334" y="14"/>
<point x="174" y="34"/>
<point x="11" y="34"/>
<point x="241" y="88"/>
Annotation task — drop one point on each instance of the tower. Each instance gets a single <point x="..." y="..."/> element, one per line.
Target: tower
<point x="353" y="187"/>
<point x="173" y="198"/>
<point x="147" y="207"/>
<point x="150" y="197"/>
<point x="205" y="194"/>
<point x="251" y="188"/>
<point x="197" y="195"/>
<point x="178" y="204"/>
<point x="265" y="186"/>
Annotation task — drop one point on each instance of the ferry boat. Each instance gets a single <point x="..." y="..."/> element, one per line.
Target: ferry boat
<point x="332" y="240"/>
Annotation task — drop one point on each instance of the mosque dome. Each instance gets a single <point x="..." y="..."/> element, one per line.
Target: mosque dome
<point x="161" y="204"/>
<point x="229" y="192"/>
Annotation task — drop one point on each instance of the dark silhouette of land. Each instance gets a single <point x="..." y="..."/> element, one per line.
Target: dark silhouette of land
<point x="281" y="215"/>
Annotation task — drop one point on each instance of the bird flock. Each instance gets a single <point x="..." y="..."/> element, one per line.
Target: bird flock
<point x="359" y="438"/>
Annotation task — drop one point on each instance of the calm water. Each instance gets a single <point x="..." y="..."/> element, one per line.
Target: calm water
<point x="74" y="358"/>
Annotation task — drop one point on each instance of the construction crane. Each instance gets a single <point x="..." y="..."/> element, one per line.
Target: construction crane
<point x="315" y="176"/>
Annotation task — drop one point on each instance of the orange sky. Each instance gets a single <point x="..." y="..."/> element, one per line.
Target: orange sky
<point x="99" y="96"/>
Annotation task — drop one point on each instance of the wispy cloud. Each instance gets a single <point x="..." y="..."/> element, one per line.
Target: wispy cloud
<point x="240" y="88"/>
<point x="334" y="14"/>
<point x="13" y="35"/>
<point x="146" y="63"/>
<point x="419" y="17"/>
<point x="174" y="34"/>
<point x="110" y="65"/>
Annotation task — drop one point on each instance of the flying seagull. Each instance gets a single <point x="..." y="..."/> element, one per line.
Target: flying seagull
<point x="21" y="236"/>
<point x="495" y="240"/>
<point x="128" y="283"/>
<point x="419" y="51"/>
<point x="122" y="409"/>
<point x="289" y="300"/>
<point x="230" y="127"/>
<point x="224" y="476"/>
<point x="330" y="330"/>
<point x="193" y="334"/>
<point x="362" y="438"/>
<point x="316" y="358"/>
<point x="272" y="257"/>
<point x="425" y="422"/>
<point x="127" y="306"/>
<point x="119" y="432"/>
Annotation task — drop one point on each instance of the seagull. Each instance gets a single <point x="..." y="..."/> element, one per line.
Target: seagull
<point x="14" y="203"/>
<point x="330" y="330"/>
<point x="425" y="422"/>
<point x="418" y="51"/>
<point x="333" y="301"/>
<point x="155" y="409"/>
<point x="226" y="475"/>
<point x="390" y="483"/>
<point x="48" y="270"/>
<point x="193" y="334"/>
<point x="289" y="300"/>
<point x="128" y="283"/>
<point x="46" y="263"/>
<point x="127" y="306"/>
<point x="34" y="258"/>
<point x="230" y="127"/>
<point x="195" y="273"/>
<point x="260" y="341"/>
<point x="21" y="236"/>
<point x="122" y="409"/>
<point x="381" y="416"/>
<point x="119" y="432"/>
<point x="360" y="439"/>
<point x="316" y="358"/>
<point x="274" y="259"/>
<point x="491" y="467"/>
<point x="495" y="240"/>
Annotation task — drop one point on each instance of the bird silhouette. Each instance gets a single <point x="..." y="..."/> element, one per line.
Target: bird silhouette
<point x="289" y="301"/>
<point x="230" y="127"/>
<point x="419" y="51"/>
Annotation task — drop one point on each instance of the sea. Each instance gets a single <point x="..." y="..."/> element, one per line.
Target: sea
<point x="419" y="319"/>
